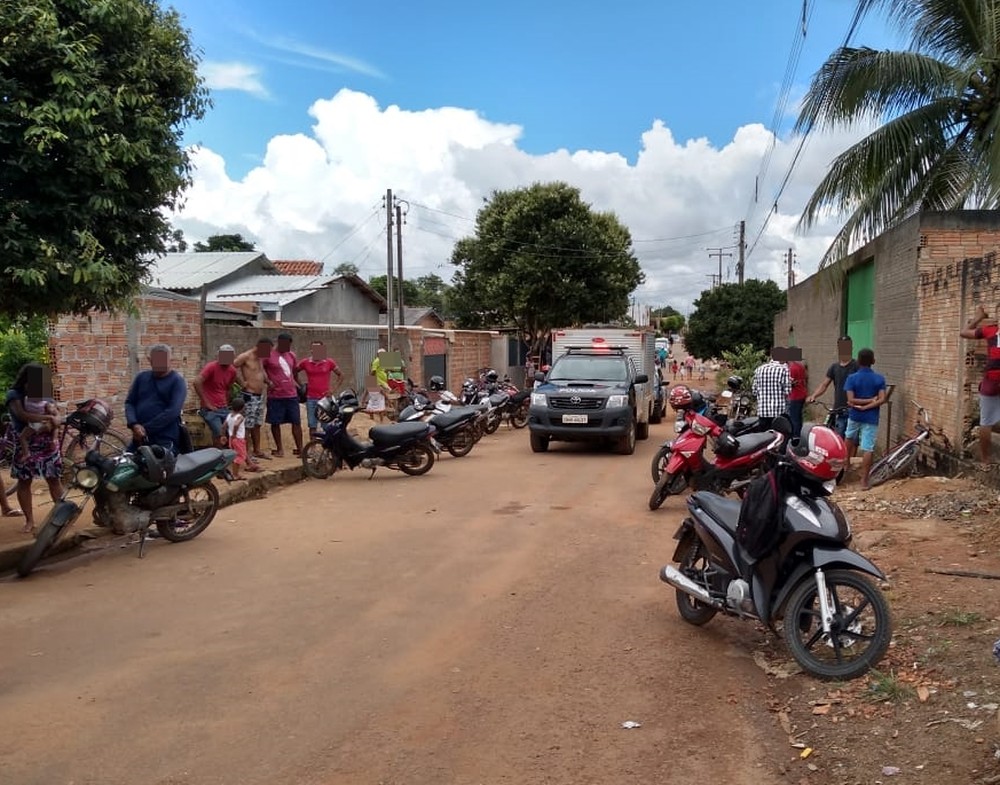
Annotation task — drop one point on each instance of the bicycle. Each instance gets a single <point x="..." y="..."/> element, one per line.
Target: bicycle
<point x="833" y="413"/>
<point x="900" y="459"/>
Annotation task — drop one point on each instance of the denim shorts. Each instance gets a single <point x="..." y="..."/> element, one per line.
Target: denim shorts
<point x="311" y="418"/>
<point x="283" y="410"/>
<point x="215" y="419"/>
<point x="868" y="432"/>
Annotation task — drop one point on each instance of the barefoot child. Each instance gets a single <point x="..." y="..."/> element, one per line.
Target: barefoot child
<point x="236" y="432"/>
<point x="375" y="403"/>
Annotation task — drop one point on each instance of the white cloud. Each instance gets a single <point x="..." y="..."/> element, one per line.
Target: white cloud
<point x="679" y="199"/>
<point x="233" y="76"/>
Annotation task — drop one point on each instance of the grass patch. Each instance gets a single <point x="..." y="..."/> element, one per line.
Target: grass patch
<point x="886" y="687"/>
<point x="957" y="618"/>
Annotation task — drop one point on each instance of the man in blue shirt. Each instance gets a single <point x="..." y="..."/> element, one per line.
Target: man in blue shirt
<point x="154" y="402"/>
<point x="865" y="394"/>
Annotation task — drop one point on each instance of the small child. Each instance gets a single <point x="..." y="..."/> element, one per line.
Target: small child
<point x="375" y="403"/>
<point x="38" y="406"/>
<point x="236" y="431"/>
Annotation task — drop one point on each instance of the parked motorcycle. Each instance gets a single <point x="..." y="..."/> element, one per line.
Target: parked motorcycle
<point x="406" y="446"/>
<point x="681" y="463"/>
<point x="784" y="556"/>
<point x="455" y="428"/>
<point x="133" y="491"/>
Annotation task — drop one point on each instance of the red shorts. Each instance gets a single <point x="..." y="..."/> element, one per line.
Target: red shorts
<point x="239" y="446"/>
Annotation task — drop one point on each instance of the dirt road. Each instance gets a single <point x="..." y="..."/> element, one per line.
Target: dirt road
<point x="495" y="621"/>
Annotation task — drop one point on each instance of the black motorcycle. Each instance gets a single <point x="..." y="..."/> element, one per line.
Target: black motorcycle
<point x="408" y="447"/>
<point x="835" y="622"/>
<point x="455" y="427"/>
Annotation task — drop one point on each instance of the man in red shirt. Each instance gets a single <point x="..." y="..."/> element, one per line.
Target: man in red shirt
<point x="989" y="387"/>
<point x="212" y="386"/>
<point x="318" y="369"/>
<point x="282" y="396"/>
<point x="797" y="397"/>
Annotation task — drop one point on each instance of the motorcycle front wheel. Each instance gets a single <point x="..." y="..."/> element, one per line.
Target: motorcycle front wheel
<point x="417" y="460"/>
<point x="462" y="443"/>
<point x="317" y="461"/>
<point x="669" y="484"/>
<point x="200" y="505"/>
<point x="493" y="422"/>
<point x="56" y="522"/>
<point x="860" y="630"/>
<point x="659" y="462"/>
<point x="520" y="417"/>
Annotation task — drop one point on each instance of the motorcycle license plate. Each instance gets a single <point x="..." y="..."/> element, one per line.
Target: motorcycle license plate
<point x="574" y="419"/>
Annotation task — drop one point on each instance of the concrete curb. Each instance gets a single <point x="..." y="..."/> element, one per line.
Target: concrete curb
<point x="256" y="487"/>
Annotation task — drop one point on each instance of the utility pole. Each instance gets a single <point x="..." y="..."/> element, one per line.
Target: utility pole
<point x="714" y="278"/>
<point x="388" y="256"/>
<point x="399" y="257"/>
<point x="791" y="273"/>
<point x="720" y="254"/>
<point x="743" y="248"/>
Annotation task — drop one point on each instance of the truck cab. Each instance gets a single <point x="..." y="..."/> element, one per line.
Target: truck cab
<point x="591" y="393"/>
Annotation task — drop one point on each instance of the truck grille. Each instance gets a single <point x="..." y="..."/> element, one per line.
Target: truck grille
<point x="575" y="403"/>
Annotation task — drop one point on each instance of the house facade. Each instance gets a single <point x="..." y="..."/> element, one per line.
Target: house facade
<point x="906" y="295"/>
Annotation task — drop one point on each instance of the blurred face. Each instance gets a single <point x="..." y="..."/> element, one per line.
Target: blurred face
<point x="264" y="349"/>
<point x="39" y="384"/>
<point x="318" y="351"/>
<point x="159" y="361"/>
<point x="845" y="349"/>
<point x="284" y="345"/>
<point x="226" y="357"/>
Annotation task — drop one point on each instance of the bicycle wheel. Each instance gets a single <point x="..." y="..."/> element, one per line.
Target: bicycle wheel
<point x="76" y="445"/>
<point x="895" y="464"/>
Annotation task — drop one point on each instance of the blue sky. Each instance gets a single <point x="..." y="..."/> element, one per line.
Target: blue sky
<point x="607" y="83"/>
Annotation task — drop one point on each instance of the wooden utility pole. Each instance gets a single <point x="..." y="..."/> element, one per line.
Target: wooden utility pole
<point x="720" y="254"/>
<point x="743" y="248"/>
<point x="388" y="256"/>
<point x="399" y="260"/>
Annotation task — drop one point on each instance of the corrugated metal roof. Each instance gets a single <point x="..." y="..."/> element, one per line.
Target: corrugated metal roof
<point x="280" y="289"/>
<point x="189" y="271"/>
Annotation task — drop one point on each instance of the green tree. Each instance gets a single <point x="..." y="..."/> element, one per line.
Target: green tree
<point x="668" y="320"/>
<point x="410" y="291"/>
<point x="742" y="361"/>
<point x="176" y="242"/>
<point x="938" y="102"/>
<point x="94" y="96"/>
<point x="734" y="314"/>
<point x="222" y="243"/>
<point x="541" y="258"/>
<point x="346" y="269"/>
<point x="427" y="290"/>
<point x="22" y="340"/>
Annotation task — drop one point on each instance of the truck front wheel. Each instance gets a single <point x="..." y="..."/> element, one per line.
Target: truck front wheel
<point x="539" y="443"/>
<point x="626" y="444"/>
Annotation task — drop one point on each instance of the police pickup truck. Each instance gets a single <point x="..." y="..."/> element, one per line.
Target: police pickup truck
<point x="593" y="392"/>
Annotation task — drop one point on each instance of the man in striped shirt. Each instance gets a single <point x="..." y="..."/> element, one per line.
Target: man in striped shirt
<point x="771" y="385"/>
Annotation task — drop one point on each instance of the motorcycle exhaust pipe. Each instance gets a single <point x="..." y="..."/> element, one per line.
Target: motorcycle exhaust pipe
<point x="680" y="581"/>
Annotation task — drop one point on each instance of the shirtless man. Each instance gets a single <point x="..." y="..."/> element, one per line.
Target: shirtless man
<point x="250" y="375"/>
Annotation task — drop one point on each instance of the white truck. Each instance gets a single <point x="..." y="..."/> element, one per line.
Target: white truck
<point x="600" y="388"/>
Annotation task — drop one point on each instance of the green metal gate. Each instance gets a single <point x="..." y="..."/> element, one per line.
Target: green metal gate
<point x="860" y="310"/>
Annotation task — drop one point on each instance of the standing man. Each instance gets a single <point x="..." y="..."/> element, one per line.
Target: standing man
<point x="282" y="394"/>
<point x="318" y="369"/>
<point x="797" y="397"/>
<point x="250" y="376"/>
<point x="154" y="402"/>
<point x="982" y="327"/>
<point x="212" y="388"/>
<point x="865" y="394"/>
<point x="771" y="385"/>
<point x="837" y="374"/>
<point x="380" y="373"/>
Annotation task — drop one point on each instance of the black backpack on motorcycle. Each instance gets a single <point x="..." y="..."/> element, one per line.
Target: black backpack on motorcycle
<point x="760" y="524"/>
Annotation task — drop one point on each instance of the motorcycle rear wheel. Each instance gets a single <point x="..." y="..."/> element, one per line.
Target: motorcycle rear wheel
<point x="56" y="522"/>
<point x="493" y="422"/>
<point x="862" y="627"/>
<point x="669" y="484"/>
<point x="317" y="461"/>
<point x="691" y="610"/>
<point x="462" y="443"/>
<point x="417" y="460"/>
<point x="520" y="416"/>
<point x="203" y="503"/>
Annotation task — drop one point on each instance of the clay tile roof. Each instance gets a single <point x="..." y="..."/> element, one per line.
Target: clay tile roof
<point x="298" y="267"/>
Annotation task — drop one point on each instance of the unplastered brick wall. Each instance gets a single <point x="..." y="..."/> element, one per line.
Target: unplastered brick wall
<point x="99" y="354"/>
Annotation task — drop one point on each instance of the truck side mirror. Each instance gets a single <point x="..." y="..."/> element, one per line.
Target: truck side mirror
<point x="641" y="378"/>
<point x="539" y="376"/>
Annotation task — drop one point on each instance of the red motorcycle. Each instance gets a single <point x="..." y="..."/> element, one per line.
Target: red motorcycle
<point x="737" y="460"/>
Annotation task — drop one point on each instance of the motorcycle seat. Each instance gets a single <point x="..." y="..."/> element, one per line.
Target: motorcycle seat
<point x="751" y="442"/>
<point x="499" y="399"/>
<point x="193" y="466"/>
<point x="520" y="396"/>
<point x="385" y="435"/>
<point x="724" y="511"/>
<point x="744" y="425"/>
<point x="445" y="421"/>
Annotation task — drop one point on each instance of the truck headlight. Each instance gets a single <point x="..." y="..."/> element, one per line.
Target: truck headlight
<point x="538" y="399"/>
<point x="617" y="401"/>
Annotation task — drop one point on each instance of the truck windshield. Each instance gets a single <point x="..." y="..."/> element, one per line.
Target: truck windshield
<point x="589" y="368"/>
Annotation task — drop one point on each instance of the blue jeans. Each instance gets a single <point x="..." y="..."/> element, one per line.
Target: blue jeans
<point x="793" y="409"/>
<point x="311" y="419"/>
<point x="214" y="418"/>
<point x="841" y="426"/>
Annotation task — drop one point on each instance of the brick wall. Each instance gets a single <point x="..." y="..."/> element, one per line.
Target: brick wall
<point x="98" y="355"/>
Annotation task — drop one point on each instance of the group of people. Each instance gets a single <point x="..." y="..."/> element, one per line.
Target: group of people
<point x="781" y="388"/>
<point x="237" y="394"/>
<point x="685" y="369"/>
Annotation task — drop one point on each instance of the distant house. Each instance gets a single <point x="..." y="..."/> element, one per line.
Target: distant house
<point x="298" y="267"/>
<point x="416" y="316"/>
<point x="305" y="299"/>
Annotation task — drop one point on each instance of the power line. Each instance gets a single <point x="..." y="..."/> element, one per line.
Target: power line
<point x="350" y="234"/>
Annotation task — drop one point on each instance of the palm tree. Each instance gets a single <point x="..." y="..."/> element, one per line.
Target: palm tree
<point x="939" y="105"/>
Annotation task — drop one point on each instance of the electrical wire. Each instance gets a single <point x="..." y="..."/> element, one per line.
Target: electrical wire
<point x="351" y="233"/>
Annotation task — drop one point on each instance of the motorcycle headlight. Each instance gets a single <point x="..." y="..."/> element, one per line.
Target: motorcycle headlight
<point x="617" y="401"/>
<point x="699" y="428"/>
<point x="538" y="399"/>
<point x="745" y="400"/>
<point x="87" y="478"/>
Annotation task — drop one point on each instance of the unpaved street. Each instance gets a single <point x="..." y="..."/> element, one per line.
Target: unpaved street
<point x="494" y="621"/>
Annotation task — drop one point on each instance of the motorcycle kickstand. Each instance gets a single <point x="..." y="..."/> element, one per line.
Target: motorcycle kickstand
<point x="373" y="472"/>
<point x="142" y="539"/>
